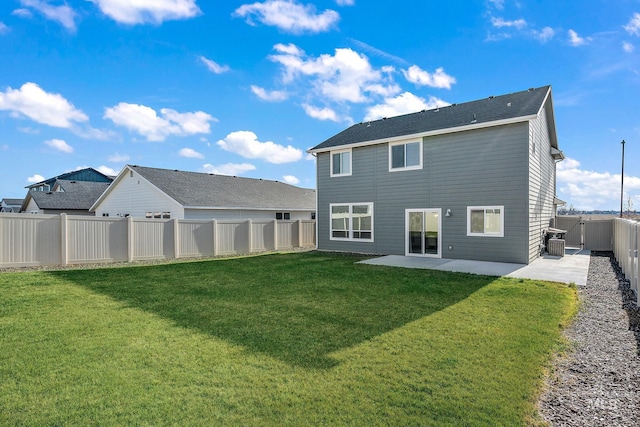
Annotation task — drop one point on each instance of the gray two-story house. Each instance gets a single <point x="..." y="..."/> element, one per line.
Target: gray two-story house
<point x="468" y="181"/>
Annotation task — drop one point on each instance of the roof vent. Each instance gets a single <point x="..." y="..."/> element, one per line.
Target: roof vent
<point x="531" y="89"/>
<point x="453" y="105"/>
<point x="491" y="97"/>
<point x="369" y="124"/>
<point x="474" y="118"/>
<point x="384" y="118"/>
<point x="508" y="104"/>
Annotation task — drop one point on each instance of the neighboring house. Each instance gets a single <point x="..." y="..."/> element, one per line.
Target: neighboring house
<point x="86" y="174"/>
<point x="10" y="205"/>
<point x="70" y="197"/>
<point x="162" y="193"/>
<point x="468" y="181"/>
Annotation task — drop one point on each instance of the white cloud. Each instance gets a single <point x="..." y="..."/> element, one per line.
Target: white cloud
<point x="589" y="190"/>
<point x="288" y="16"/>
<point x="3" y="28"/>
<point x="23" y="13"/>
<point x="213" y="66"/>
<point x="59" y="145"/>
<point x="345" y="2"/>
<point x="118" y="158"/>
<point x="272" y="96"/>
<point x="402" y="104"/>
<point x="498" y="4"/>
<point x="107" y="170"/>
<point x="290" y="179"/>
<point x="231" y="169"/>
<point x="35" y="178"/>
<point x="345" y="76"/>
<point x="439" y="79"/>
<point x="145" y="121"/>
<point x="63" y="14"/>
<point x="501" y="23"/>
<point x="246" y="144"/>
<point x="545" y="34"/>
<point x="147" y="11"/>
<point x="628" y="47"/>
<point x="47" y="108"/>
<point x="320" y="113"/>
<point x="633" y="27"/>
<point x="575" y="39"/>
<point x="190" y="153"/>
<point x="190" y="123"/>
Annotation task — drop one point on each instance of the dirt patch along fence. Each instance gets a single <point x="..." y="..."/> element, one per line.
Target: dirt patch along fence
<point x="33" y="240"/>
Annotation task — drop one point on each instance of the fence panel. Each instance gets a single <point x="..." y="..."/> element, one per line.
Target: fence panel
<point x="626" y="241"/>
<point x="262" y="235"/>
<point x="32" y="240"/>
<point x="308" y="234"/>
<point x="233" y="237"/>
<point x="96" y="239"/>
<point x="287" y="234"/>
<point x="598" y="235"/>
<point x="152" y="239"/>
<point x="195" y="238"/>
<point x="573" y="226"/>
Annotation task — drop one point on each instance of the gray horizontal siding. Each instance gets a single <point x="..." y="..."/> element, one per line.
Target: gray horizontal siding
<point x="475" y="168"/>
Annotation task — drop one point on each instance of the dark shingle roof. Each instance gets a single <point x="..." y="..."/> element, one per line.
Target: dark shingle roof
<point x="77" y="195"/>
<point x="86" y="174"/>
<point x="194" y="189"/>
<point x="492" y="109"/>
<point x="13" y="202"/>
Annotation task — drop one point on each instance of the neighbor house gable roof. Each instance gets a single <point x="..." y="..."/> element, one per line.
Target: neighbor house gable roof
<point x="209" y="191"/>
<point x="76" y="195"/>
<point x="491" y="111"/>
<point x="86" y="174"/>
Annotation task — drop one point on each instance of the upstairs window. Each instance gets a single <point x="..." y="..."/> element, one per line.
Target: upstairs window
<point x="485" y="221"/>
<point x="341" y="163"/>
<point x="283" y="215"/>
<point x="405" y="156"/>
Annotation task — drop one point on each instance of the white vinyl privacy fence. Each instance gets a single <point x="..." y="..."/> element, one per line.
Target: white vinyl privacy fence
<point x="626" y="237"/>
<point x="33" y="240"/>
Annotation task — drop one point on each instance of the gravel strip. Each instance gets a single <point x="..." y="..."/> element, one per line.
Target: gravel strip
<point x="598" y="383"/>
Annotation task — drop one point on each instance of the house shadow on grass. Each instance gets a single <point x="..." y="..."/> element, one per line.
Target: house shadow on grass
<point x="297" y="307"/>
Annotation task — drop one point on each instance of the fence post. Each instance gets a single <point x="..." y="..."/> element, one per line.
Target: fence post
<point x="275" y="234"/>
<point x="299" y="233"/>
<point x="214" y="223"/>
<point x="249" y="235"/>
<point x="176" y="238"/>
<point x="130" y="243"/>
<point x="64" y="244"/>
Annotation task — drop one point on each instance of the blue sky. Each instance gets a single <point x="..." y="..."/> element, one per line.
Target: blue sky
<point x="246" y="88"/>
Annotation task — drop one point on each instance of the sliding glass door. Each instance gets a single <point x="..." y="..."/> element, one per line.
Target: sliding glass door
<point x="423" y="232"/>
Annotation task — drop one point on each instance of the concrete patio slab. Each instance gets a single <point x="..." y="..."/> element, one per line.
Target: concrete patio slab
<point x="571" y="268"/>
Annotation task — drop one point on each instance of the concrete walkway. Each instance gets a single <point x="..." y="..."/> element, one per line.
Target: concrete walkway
<point x="571" y="268"/>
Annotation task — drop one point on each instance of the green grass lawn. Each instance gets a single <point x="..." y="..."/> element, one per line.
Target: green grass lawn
<point x="285" y="339"/>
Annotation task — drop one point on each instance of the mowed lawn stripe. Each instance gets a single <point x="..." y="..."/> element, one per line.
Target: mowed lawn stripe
<point x="288" y="339"/>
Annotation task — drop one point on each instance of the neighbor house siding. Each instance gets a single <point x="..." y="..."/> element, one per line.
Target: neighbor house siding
<point x="474" y="168"/>
<point x="262" y="215"/>
<point x="135" y="196"/>
<point x="541" y="182"/>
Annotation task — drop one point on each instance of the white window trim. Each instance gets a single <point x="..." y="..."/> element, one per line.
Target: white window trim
<point x="418" y="166"/>
<point x="350" y="230"/>
<point x="331" y="153"/>
<point x="484" y="208"/>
